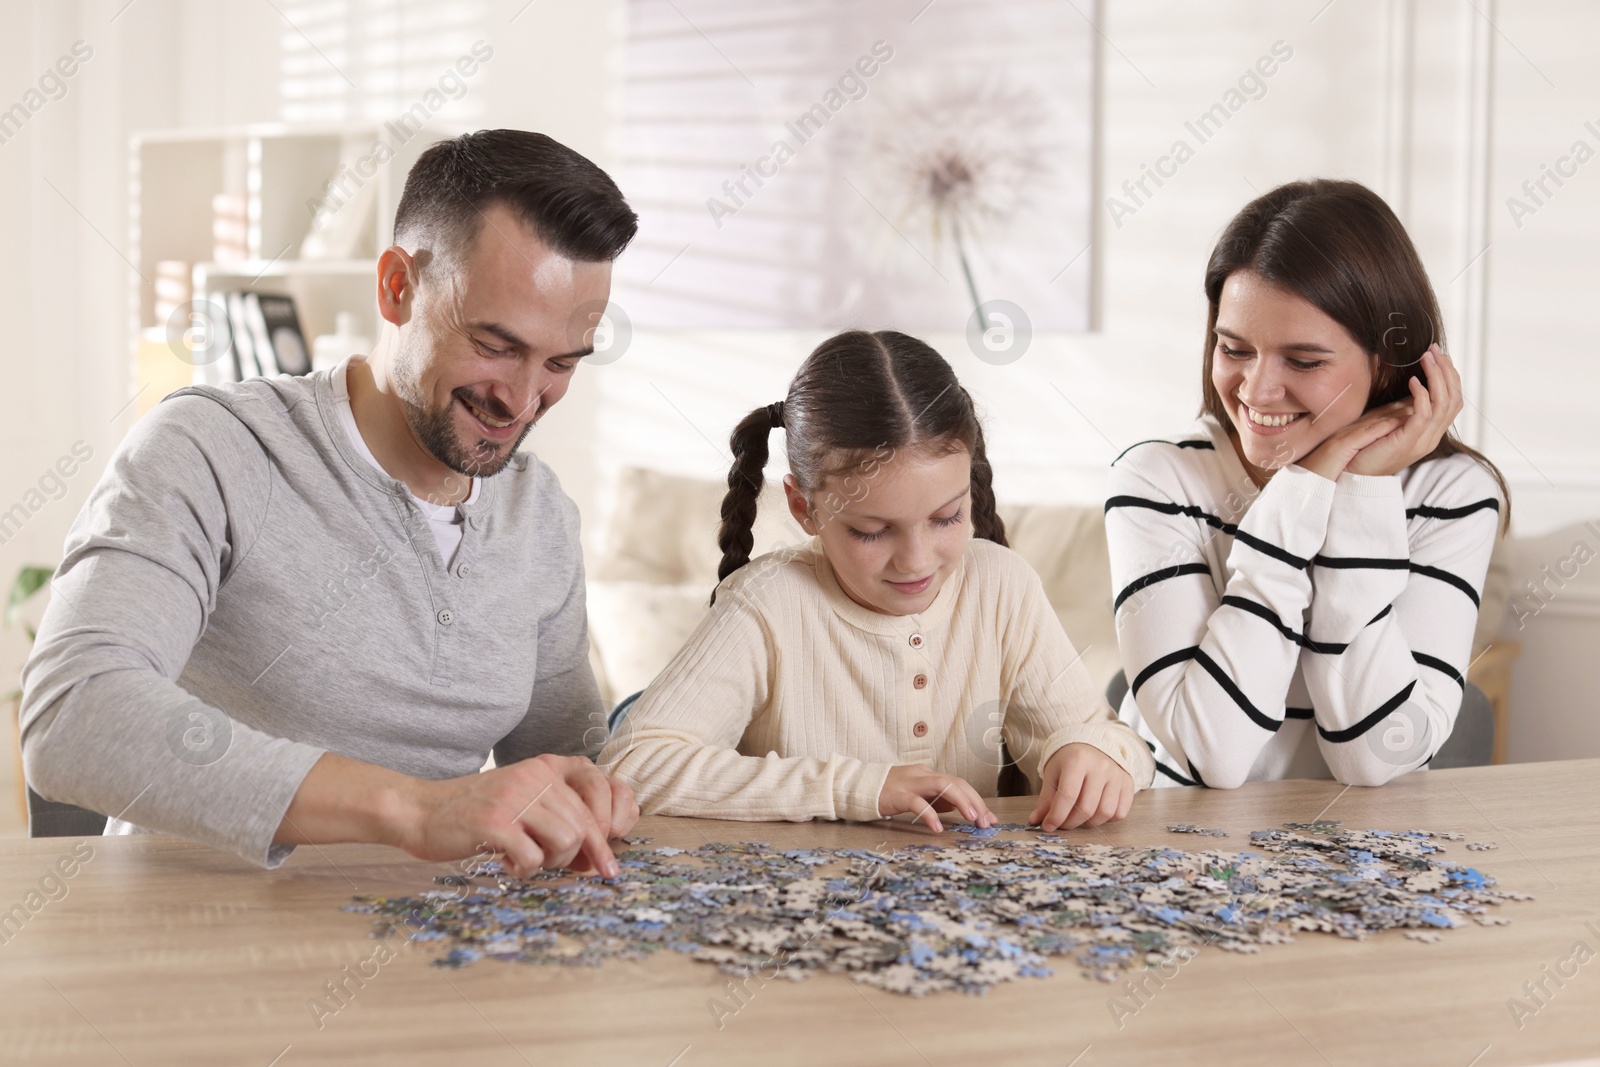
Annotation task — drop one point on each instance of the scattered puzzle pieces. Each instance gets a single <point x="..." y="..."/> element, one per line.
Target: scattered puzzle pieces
<point x="1190" y="828"/>
<point x="925" y="918"/>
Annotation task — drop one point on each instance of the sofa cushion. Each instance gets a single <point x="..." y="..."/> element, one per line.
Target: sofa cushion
<point x="635" y="628"/>
<point x="1066" y="545"/>
<point x="663" y="529"/>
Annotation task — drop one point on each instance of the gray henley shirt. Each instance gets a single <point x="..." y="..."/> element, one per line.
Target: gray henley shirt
<point x="242" y="592"/>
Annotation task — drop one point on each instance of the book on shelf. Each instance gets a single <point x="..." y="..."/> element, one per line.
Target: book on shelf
<point x="242" y="352"/>
<point x="267" y="339"/>
<point x="281" y="325"/>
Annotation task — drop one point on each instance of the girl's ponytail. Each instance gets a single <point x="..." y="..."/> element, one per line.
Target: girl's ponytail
<point x="986" y="521"/>
<point x="749" y="445"/>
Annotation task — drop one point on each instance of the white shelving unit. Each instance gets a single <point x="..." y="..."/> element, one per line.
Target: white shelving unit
<point x="280" y="173"/>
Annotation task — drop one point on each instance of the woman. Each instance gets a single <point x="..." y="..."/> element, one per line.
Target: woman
<point x="1297" y="578"/>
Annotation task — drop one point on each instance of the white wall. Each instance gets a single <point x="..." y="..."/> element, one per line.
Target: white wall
<point x="1381" y="91"/>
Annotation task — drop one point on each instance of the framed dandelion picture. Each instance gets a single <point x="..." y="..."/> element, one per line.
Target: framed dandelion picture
<point x="874" y="163"/>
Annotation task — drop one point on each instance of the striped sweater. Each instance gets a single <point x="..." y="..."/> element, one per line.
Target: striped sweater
<point x="1298" y="630"/>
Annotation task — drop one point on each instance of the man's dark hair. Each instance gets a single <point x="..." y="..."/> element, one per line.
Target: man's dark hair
<point x="571" y="204"/>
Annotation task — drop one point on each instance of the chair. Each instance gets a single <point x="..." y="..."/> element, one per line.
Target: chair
<point x="1470" y="744"/>
<point x="620" y="712"/>
<point x="51" y="818"/>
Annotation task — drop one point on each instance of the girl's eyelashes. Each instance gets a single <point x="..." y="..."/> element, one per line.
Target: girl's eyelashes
<point x="1303" y="364"/>
<point x="862" y="535"/>
<point x="1236" y="353"/>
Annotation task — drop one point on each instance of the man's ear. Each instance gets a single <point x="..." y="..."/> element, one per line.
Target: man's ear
<point x="397" y="273"/>
<point x="799" y="506"/>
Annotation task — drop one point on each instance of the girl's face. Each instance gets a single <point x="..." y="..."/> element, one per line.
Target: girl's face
<point x="894" y="529"/>
<point x="1288" y="374"/>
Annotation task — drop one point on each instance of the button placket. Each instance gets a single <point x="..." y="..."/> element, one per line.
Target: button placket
<point x="920" y="697"/>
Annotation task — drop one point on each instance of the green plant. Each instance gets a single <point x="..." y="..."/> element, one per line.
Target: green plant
<point x="24" y="586"/>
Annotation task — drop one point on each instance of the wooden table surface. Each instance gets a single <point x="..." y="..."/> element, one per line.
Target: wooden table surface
<point x="165" y="952"/>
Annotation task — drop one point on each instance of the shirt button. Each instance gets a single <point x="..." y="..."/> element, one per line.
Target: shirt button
<point x="463" y="570"/>
<point x="916" y="640"/>
<point x="920" y="681"/>
<point x="921" y="729"/>
<point x="446" y="616"/>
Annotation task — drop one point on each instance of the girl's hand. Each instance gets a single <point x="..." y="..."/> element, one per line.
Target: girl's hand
<point x="1433" y="408"/>
<point x="915" y="788"/>
<point x="1335" y="455"/>
<point x="1082" y="787"/>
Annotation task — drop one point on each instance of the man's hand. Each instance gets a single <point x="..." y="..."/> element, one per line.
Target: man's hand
<point x="548" y="811"/>
<point x="1082" y="787"/>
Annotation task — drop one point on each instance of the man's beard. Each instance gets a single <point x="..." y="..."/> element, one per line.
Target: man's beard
<point x="435" y="429"/>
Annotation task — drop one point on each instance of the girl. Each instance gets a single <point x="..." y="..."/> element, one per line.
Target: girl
<point x="877" y="669"/>
<point x="1297" y="578"/>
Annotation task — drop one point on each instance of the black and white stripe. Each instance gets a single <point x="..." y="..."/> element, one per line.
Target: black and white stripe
<point x="1362" y="595"/>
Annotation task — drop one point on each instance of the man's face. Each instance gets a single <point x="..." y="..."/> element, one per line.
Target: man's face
<point x="493" y="340"/>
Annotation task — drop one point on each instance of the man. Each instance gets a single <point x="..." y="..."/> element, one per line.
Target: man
<point x="304" y="610"/>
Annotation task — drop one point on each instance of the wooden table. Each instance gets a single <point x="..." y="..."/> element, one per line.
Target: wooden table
<point x="165" y="952"/>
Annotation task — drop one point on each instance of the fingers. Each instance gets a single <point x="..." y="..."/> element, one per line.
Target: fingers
<point x="1444" y="387"/>
<point x="1422" y="397"/>
<point x="1116" y="798"/>
<point x="624" y="808"/>
<point x="919" y="790"/>
<point x="560" y="822"/>
<point x="1125" y="799"/>
<point x="522" y="855"/>
<point x="1082" y="787"/>
<point x="1083" y="808"/>
<point x="928" y="817"/>
<point x="593" y="788"/>
<point x="1363" y="433"/>
<point x="1069" y="786"/>
<point x="966" y="800"/>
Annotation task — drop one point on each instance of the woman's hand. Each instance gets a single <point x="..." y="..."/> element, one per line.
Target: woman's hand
<point x="1335" y="455"/>
<point x="1433" y="408"/>
<point x="1082" y="787"/>
<point x="915" y="788"/>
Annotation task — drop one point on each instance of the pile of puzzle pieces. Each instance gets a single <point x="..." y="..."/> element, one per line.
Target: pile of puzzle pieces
<point x="924" y="918"/>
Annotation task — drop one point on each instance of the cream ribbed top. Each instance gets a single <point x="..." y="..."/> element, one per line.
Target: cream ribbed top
<point x="791" y="701"/>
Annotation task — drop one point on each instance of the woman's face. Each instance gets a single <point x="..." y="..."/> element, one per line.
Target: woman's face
<point x="1288" y="375"/>
<point x="894" y="530"/>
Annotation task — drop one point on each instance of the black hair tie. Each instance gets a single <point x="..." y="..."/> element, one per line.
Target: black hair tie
<point x="775" y="415"/>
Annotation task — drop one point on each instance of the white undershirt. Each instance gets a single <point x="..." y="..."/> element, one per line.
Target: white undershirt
<point x="443" y="519"/>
